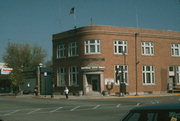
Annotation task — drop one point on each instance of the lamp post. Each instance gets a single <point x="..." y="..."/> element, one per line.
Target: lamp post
<point x="45" y="75"/>
<point x="39" y="77"/>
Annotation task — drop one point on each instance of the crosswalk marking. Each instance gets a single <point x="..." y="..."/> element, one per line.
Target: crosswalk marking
<point x="56" y="109"/>
<point x="118" y="105"/>
<point x="96" y="107"/>
<point x="7" y="114"/>
<point x="34" y="111"/>
<point x="138" y="104"/>
<point x="75" y="108"/>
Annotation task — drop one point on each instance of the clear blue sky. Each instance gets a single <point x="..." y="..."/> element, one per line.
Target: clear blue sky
<point x="34" y="21"/>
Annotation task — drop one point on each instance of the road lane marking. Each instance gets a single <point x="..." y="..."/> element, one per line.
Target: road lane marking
<point x="118" y="105"/>
<point x="34" y="111"/>
<point x="7" y="114"/>
<point x="75" y="108"/>
<point x="155" y="102"/>
<point x="96" y="106"/>
<point x="138" y="104"/>
<point x="56" y="109"/>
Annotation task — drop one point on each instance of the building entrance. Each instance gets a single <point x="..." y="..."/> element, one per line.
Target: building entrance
<point x="94" y="81"/>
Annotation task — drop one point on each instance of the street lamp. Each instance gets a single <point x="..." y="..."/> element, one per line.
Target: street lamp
<point x="39" y="77"/>
<point x="45" y="75"/>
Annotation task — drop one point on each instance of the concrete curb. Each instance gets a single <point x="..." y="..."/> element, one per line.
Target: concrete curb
<point x="59" y="97"/>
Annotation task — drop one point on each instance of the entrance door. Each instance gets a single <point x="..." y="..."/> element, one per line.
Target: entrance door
<point x="94" y="81"/>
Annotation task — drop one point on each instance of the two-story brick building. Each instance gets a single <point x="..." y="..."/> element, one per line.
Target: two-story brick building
<point x="98" y="58"/>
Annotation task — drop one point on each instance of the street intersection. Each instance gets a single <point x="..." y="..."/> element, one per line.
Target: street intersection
<point x="45" y="109"/>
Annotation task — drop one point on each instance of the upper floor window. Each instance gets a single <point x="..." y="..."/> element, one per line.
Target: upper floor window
<point x="121" y="72"/>
<point x="178" y="74"/>
<point x="147" y="48"/>
<point x="175" y="48"/>
<point x="120" y="47"/>
<point x="92" y="46"/>
<point x="61" y="76"/>
<point x="73" y="49"/>
<point x="73" y="74"/>
<point x="148" y="75"/>
<point x="60" y="51"/>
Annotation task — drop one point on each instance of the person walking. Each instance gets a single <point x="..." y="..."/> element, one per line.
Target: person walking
<point x="66" y="91"/>
<point x="36" y="91"/>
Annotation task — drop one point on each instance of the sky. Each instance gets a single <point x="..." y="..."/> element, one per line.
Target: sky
<point x="35" y="21"/>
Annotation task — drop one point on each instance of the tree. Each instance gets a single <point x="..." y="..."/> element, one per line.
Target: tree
<point x="22" y="57"/>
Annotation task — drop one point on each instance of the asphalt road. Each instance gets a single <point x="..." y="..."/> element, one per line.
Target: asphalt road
<point x="33" y="109"/>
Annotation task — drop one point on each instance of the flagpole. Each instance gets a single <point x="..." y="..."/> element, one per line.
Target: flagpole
<point x="72" y="11"/>
<point x="137" y="19"/>
<point x="74" y="20"/>
<point x="91" y="21"/>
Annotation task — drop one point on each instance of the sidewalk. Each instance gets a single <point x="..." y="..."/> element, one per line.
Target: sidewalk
<point x="84" y="97"/>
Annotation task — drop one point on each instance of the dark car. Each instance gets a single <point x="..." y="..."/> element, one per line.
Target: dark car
<point x="156" y="112"/>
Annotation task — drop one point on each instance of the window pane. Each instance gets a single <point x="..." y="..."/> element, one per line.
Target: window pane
<point x="147" y="68"/>
<point x="92" y="41"/>
<point x="148" y="78"/>
<point x="144" y="78"/>
<point x="92" y="48"/>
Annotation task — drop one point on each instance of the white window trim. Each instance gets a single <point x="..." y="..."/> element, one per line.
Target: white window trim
<point x="150" y="46"/>
<point x="123" y="45"/>
<point x="178" y="73"/>
<point x="70" y="49"/>
<point x="71" y="83"/>
<point x="60" y="48"/>
<point x="87" y="45"/>
<point x="61" y="76"/>
<point x="124" y="71"/>
<point x="152" y="71"/>
<point x="173" y="48"/>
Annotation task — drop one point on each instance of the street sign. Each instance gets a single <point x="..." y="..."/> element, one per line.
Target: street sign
<point x="6" y="71"/>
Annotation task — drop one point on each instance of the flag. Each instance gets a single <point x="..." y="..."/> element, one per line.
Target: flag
<point x="72" y="10"/>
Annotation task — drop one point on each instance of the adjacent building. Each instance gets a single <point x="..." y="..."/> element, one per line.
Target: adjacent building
<point x="99" y="58"/>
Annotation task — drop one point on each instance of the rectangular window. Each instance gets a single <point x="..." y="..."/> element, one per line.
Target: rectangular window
<point x="92" y="47"/>
<point x="148" y="75"/>
<point x="73" y="49"/>
<point x="60" y="51"/>
<point x="175" y="48"/>
<point x="61" y="77"/>
<point x="147" y="48"/>
<point x="121" y="72"/>
<point x="73" y="74"/>
<point x="120" y="47"/>
<point x="178" y="74"/>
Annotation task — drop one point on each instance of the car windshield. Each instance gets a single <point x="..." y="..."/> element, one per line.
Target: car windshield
<point x="153" y="116"/>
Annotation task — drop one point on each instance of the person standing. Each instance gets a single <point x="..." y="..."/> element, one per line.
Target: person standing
<point x="66" y="91"/>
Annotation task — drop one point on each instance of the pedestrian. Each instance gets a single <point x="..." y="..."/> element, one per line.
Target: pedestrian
<point x="66" y="91"/>
<point x="36" y="91"/>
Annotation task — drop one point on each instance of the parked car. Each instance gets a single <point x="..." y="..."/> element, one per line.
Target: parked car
<point x="156" y="112"/>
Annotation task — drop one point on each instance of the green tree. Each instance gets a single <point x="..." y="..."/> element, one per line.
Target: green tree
<point x="22" y="57"/>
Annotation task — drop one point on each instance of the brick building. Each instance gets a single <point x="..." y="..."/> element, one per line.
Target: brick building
<point x="97" y="58"/>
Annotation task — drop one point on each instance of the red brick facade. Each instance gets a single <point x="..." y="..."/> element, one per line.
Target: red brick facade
<point x="146" y="58"/>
